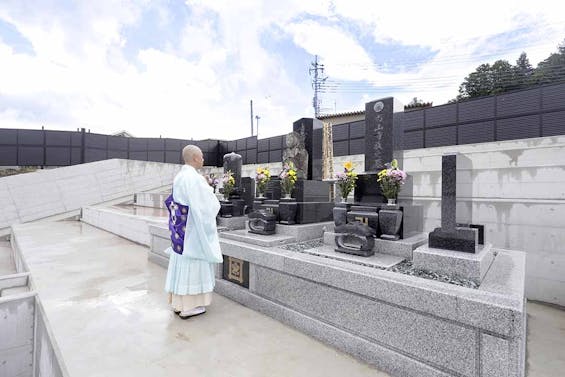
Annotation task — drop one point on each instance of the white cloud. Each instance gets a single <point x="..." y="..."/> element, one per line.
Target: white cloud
<point x="81" y="76"/>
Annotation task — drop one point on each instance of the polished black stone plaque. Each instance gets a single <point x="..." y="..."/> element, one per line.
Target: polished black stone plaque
<point x="236" y="271"/>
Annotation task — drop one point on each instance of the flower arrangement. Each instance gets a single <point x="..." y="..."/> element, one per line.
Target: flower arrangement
<point x="229" y="182"/>
<point x="391" y="179"/>
<point x="212" y="181"/>
<point x="288" y="178"/>
<point x="346" y="179"/>
<point x="262" y="178"/>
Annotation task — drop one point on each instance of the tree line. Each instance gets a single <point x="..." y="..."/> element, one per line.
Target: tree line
<point x="502" y="76"/>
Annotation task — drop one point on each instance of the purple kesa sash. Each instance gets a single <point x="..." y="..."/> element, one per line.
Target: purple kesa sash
<point x="177" y="223"/>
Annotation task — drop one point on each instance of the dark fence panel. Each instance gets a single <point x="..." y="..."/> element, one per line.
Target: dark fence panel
<point x="521" y="114"/>
<point x="529" y="113"/>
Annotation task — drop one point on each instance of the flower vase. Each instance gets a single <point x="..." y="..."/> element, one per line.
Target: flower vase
<point x="391" y="202"/>
<point x="226" y="208"/>
<point x="390" y="221"/>
<point x="287" y="196"/>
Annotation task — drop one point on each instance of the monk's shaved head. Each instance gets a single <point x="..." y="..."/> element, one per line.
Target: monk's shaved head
<point x="192" y="155"/>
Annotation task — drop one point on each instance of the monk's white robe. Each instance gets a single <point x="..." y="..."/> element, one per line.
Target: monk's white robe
<point x="192" y="273"/>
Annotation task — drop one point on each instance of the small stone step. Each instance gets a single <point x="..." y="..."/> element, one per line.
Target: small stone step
<point x="378" y="260"/>
<point x="257" y="239"/>
<point x="402" y="248"/>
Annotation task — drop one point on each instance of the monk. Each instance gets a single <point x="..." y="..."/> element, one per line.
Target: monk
<point x="195" y="247"/>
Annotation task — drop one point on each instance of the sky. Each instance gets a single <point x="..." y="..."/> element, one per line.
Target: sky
<point x="188" y="69"/>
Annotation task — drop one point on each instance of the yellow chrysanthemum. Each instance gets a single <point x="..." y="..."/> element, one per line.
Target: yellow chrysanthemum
<point x="348" y="165"/>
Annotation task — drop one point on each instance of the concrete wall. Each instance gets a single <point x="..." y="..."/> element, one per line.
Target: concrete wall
<point x="46" y="193"/>
<point x="517" y="190"/>
<point x="16" y="335"/>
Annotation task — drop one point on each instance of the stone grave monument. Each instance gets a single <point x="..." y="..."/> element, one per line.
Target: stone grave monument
<point x="310" y="199"/>
<point x="457" y="249"/>
<point x="391" y="222"/>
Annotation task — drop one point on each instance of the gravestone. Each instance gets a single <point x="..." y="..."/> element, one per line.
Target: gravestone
<point x="248" y="191"/>
<point x="379" y="126"/>
<point x="379" y="133"/>
<point x="233" y="162"/>
<point x="454" y="249"/>
<point x="450" y="236"/>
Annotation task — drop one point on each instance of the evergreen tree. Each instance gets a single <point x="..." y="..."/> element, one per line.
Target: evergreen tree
<point x="523" y="71"/>
<point x="551" y="69"/>
<point x="502" y="76"/>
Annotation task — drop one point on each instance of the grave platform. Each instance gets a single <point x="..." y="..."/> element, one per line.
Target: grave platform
<point x="403" y="324"/>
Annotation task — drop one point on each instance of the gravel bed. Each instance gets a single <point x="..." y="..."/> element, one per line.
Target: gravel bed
<point x="405" y="267"/>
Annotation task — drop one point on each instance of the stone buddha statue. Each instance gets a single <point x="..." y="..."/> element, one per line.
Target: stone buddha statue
<point x="295" y="152"/>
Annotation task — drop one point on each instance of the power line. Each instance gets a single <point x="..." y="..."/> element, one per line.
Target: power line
<point x="317" y="70"/>
<point x="555" y="71"/>
<point x="457" y="58"/>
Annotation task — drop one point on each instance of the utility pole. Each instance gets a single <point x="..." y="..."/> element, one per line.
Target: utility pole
<point x="257" y="117"/>
<point x="318" y="78"/>
<point x="251" y="105"/>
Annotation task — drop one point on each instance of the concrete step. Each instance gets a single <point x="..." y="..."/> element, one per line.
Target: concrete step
<point x="122" y="221"/>
<point x="150" y="199"/>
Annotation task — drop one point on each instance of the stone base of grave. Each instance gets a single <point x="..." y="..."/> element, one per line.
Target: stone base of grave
<point x="402" y="324"/>
<point x="460" y="239"/>
<point x="455" y="263"/>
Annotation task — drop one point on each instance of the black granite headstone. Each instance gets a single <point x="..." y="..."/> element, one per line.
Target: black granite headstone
<point x="311" y="191"/>
<point x="248" y="192"/>
<point x="233" y="162"/>
<point x="378" y="134"/>
<point x="273" y="190"/>
<point x="368" y="190"/>
<point x="450" y="236"/>
<point x="314" y="212"/>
